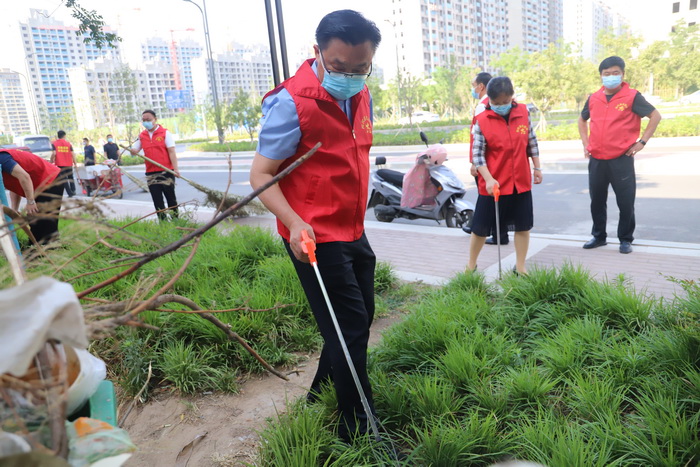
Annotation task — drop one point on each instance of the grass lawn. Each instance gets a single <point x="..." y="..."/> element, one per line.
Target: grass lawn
<point x="553" y="368"/>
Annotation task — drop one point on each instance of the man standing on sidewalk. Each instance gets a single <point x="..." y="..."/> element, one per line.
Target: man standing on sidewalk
<point x="479" y="85"/>
<point x="158" y="144"/>
<point x="615" y="112"/>
<point x="327" y="101"/>
<point x="64" y="158"/>
<point x="111" y="150"/>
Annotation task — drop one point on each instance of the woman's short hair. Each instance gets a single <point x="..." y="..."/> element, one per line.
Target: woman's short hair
<point x="499" y="86"/>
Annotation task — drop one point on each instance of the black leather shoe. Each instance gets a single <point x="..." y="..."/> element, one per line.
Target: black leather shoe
<point x="594" y="243"/>
<point x="625" y="247"/>
<point x="492" y="241"/>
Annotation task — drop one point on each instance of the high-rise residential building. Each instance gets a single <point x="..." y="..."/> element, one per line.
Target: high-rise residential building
<point x="431" y="33"/>
<point x="14" y="117"/>
<point x="239" y="68"/>
<point x="584" y="20"/>
<point x="178" y="54"/>
<point x="104" y="89"/>
<point x="685" y="11"/>
<point x="51" y="48"/>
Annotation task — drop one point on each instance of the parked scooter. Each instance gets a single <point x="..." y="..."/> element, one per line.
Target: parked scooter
<point x="430" y="190"/>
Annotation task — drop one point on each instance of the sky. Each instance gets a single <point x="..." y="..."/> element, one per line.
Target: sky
<point x="241" y="21"/>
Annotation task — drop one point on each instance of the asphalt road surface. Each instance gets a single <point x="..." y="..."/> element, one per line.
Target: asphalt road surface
<point x="667" y="206"/>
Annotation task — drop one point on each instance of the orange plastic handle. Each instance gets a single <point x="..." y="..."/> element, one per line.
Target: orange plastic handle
<point x="496" y="192"/>
<point x="308" y="246"/>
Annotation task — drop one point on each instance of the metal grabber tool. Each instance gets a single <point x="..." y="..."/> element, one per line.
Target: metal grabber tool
<point x="309" y="247"/>
<point x="496" y="195"/>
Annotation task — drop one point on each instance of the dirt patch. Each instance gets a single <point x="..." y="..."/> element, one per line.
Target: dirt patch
<point x="161" y="428"/>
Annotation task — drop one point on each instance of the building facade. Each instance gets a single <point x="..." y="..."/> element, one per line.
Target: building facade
<point x="107" y="93"/>
<point x="432" y="33"/>
<point x="239" y="68"/>
<point x="14" y="114"/>
<point x="51" y="48"/>
<point x="179" y="55"/>
<point x="584" y="20"/>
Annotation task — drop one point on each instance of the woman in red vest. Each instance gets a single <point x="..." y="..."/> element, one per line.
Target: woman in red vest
<point x="504" y="142"/>
<point x="158" y="145"/>
<point x="29" y="176"/>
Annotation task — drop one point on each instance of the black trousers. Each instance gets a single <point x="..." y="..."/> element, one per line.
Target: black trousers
<point x="619" y="173"/>
<point x="160" y="185"/>
<point x="504" y="227"/>
<point x="347" y="269"/>
<point x="48" y="201"/>
<point x="66" y="175"/>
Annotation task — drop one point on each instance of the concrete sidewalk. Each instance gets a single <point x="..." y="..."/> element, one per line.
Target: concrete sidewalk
<point x="435" y="254"/>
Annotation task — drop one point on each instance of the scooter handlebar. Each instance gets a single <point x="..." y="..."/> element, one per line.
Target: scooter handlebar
<point x="496" y="192"/>
<point x="308" y="246"/>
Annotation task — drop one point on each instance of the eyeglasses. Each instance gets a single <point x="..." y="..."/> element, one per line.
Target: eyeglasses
<point x="345" y="75"/>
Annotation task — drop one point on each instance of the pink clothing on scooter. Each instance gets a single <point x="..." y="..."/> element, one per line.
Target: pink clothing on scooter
<point x="418" y="188"/>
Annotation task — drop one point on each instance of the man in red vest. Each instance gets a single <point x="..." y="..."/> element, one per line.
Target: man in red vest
<point x="158" y="144"/>
<point x="29" y="176"/>
<point x="64" y="157"/>
<point x="615" y="112"/>
<point x="327" y="101"/>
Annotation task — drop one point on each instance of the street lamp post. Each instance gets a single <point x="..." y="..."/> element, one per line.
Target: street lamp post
<point x="207" y="43"/>
<point x="30" y="90"/>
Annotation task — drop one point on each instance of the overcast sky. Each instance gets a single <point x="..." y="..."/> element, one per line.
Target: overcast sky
<point x="240" y="21"/>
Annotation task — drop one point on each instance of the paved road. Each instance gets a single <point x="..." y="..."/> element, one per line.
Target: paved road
<point x="668" y="206"/>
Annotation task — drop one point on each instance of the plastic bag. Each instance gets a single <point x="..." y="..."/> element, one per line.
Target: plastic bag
<point x="92" y="371"/>
<point x="90" y="440"/>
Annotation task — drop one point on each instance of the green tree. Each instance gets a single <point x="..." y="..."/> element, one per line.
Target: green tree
<point x="91" y="26"/>
<point x="684" y="58"/>
<point x="126" y="108"/>
<point x="512" y="61"/>
<point x="582" y="79"/>
<point x="452" y="86"/>
<point x="244" y="111"/>
<point x="545" y="78"/>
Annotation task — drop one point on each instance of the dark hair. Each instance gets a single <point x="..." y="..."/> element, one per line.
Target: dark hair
<point x="350" y="27"/>
<point x="149" y="111"/>
<point x="86" y="139"/>
<point x="109" y="135"/>
<point x="611" y="62"/>
<point x="483" y="78"/>
<point x="498" y="86"/>
<point x="61" y="134"/>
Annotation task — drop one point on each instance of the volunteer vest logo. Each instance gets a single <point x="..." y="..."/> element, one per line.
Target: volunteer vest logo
<point x="366" y="124"/>
<point x="621" y="106"/>
<point x="62" y="149"/>
<point x="159" y="138"/>
<point x="521" y="129"/>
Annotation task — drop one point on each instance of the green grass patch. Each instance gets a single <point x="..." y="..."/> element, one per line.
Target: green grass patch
<point x="553" y="367"/>
<point x="244" y="267"/>
<point x="228" y="146"/>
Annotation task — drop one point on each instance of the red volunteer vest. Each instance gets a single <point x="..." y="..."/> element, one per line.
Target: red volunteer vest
<point x="484" y="101"/>
<point x="614" y="127"/>
<point x="63" y="157"/>
<point x="41" y="172"/>
<point x="154" y="148"/>
<point x="329" y="190"/>
<point x="506" y="149"/>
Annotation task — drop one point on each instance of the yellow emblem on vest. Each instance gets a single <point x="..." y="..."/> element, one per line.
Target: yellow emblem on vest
<point x="159" y="138"/>
<point x="366" y="124"/>
<point x="522" y="129"/>
<point x="621" y="106"/>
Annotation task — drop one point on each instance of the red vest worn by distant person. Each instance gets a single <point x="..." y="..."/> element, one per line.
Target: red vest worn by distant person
<point x="63" y="150"/>
<point x="614" y="127"/>
<point x="485" y="102"/>
<point x="506" y="149"/>
<point x="42" y="172"/>
<point x="154" y="148"/>
<point x="329" y="190"/>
